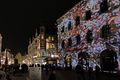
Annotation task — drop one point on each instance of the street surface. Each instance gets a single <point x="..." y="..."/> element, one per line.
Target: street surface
<point x="35" y="74"/>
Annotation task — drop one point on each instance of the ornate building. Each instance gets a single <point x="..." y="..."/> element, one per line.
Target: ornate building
<point x="41" y="47"/>
<point x="87" y="27"/>
<point x="7" y="57"/>
<point x="36" y="46"/>
<point x="51" y="49"/>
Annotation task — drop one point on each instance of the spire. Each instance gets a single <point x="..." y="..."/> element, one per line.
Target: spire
<point x="36" y="33"/>
<point x="30" y="41"/>
<point x="32" y="38"/>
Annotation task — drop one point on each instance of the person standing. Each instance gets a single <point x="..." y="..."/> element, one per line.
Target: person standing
<point x="97" y="72"/>
<point x="52" y="76"/>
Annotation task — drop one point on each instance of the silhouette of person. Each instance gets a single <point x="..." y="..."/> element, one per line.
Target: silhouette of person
<point x="97" y="72"/>
<point x="8" y="77"/>
<point x="52" y="76"/>
<point x="90" y="73"/>
<point x="80" y="72"/>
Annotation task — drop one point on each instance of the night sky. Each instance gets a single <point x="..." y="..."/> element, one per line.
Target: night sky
<point x="19" y="20"/>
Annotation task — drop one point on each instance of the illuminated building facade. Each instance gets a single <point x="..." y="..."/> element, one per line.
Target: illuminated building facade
<point x="34" y="49"/>
<point x="0" y="43"/>
<point x="51" y="50"/>
<point x="50" y="42"/>
<point x="0" y="48"/>
<point x="41" y="47"/>
<point x="36" y="46"/>
<point x="87" y="27"/>
<point x="7" y="55"/>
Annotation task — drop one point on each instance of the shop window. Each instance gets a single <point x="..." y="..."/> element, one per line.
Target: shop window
<point x="105" y="31"/>
<point x="89" y="36"/>
<point x="88" y="15"/>
<point x="103" y="6"/>
<point x="77" y="20"/>
<point x="69" y="25"/>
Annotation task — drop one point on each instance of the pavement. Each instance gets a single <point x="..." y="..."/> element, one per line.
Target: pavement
<point x="72" y="75"/>
<point x="35" y="73"/>
<point x="20" y="76"/>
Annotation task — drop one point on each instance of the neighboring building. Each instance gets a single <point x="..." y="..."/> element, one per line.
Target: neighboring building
<point x="50" y="42"/>
<point x="41" y="47"/>
<point x="87" y="27"/>
<point x="34" y="49"/>
<point x="36" y="46"/>
<point x="19" y="57"/>
<point x="51" y="49"/>
<point x="7" y="57"/>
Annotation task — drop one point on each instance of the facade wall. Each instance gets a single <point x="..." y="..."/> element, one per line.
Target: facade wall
<point x="77" y="22"/>
<point x="34" y="49"/>
<point x="0" y="43"/>
<point x="9" y="55"/>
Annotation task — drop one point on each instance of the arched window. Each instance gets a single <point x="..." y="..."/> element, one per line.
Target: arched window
<point x="77" y="20"/>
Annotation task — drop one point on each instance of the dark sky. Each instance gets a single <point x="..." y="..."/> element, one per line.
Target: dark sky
<point x="20" y="18"/>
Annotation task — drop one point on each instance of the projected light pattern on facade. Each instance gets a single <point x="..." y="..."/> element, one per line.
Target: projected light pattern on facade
<point x="96" y="22"/>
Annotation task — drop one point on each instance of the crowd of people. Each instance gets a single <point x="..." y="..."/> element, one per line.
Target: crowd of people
<point x="7" y="70"/>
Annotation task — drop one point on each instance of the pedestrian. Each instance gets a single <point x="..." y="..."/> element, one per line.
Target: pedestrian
<point x="77" y="69"/>
<point x="80" y="72"/>
<point x="90" y="73"/>
<point x="46" y="69"/>
<point x="52" y="76"/>
<point x="8" y="77"/>
<point x="97" y="72"/>
<point x="2" y="75"/>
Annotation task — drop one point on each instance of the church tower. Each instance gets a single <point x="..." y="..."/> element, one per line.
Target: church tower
<point x="42" y="37"/>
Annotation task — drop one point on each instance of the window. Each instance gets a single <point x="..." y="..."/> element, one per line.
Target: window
<point x="105" y="31"/>
<point x="89" y="36"/>
<point x="77" y="20"/>
<point x="69" y="42"/>
<point x="78" y="39"/>
<point x="62" y="29"/>
<point x="103" y="6"/>
<point x="88" y="15"/>
<point x="69" y="25"/>
<point x="63" y="44"/>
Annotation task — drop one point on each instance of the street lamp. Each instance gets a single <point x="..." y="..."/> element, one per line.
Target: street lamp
<point x="52" y="56"/>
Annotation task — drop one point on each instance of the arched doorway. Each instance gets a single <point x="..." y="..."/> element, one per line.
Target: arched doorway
<point x="67" y="61"/>
<point x="83" y="59"/>
<point x="108" y="60"/>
